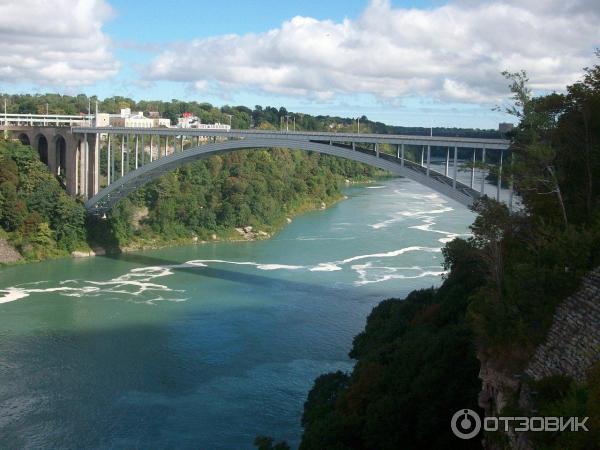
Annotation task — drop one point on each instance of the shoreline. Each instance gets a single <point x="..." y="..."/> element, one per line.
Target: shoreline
<point x="232" y="235"/>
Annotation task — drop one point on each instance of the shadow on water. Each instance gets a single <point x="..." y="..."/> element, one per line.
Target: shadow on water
<point x="151" y="385"/>
<point x="256" y="280"/>
<point x="66" y="389"/>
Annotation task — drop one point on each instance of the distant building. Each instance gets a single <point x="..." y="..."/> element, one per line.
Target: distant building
<point x="188" y="120"/>
<point x="136" y="120"/>
<point x="505" y="127"/>
<point x="102" y="120"/>
<point x="161" y="122"/>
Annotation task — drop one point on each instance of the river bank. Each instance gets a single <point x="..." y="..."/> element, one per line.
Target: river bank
<point x="10" y="256"/>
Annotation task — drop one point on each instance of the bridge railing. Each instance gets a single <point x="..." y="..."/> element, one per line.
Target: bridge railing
<point x="66" y="120"/>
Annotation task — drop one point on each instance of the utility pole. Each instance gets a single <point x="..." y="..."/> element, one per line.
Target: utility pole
<point x="287" y="122"/>
<point x="294" y="123"/>
<point x="358" y="125"/>
<point x="230" y="116"/>
<point x="5" y="119"/>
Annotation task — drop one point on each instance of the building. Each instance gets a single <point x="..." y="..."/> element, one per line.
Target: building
<point x="129" y="120"/>
<point x="161" y="122"/>
<point x="505" y="127"/>
<point x="188" y="120"/>
<point x="126" y="119"/>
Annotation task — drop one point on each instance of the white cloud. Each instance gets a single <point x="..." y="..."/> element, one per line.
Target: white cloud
<point x="55" y="42"/>
<point x="453" y="52"/>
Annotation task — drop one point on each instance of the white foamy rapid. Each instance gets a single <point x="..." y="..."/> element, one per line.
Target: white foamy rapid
<point x="133" y="286"/>
<point x="425" y="207"/>
<point x="367" y="272"/>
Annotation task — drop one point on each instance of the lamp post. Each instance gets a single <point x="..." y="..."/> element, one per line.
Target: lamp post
<point x="358" y="125"/>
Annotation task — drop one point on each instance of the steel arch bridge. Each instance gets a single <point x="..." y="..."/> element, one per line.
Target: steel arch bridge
<point x="106" y="198"/>
<point x="85" y="155"/>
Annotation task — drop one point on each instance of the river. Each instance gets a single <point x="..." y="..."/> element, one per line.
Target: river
<point x="206" y="346"/>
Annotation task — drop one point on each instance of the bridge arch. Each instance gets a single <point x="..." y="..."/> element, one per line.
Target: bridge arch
<point x="41" y="145"/>
<point x="104" y="200"/>
<point x="24" y="139"/>
<point x="60" y="151"/>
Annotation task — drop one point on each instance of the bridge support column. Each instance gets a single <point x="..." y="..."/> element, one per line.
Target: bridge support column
<point x="422" y="156"/>
<point x="455" y="168"/>
<point x="127" y="152"/>
<point x="447" y="161"/>
<point x="499" y="180"/>
<point x="95" y="178"/>
<point x="402" y="155"/>
<point x="122" y="155"/>
<point x="483" y="172"/>
<point x="108" y="161"/>
<point x="354" y="146"/>
<point x="137" y="150"/>
<point x="428" y="159"/>
<point x="151" y="139"/>
<point x="82" y="181"/>
<point x="473" y="170"/>
<point x="376" y="149"/>
<point x="72" y="149"/>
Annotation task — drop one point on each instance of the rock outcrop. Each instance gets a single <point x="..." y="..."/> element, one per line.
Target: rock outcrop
<point x="8" y="254"/>
<point x="571" y="348"/>
<point x="573" y="342"/>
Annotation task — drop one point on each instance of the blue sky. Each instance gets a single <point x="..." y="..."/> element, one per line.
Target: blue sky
<point x="401" y="62"/>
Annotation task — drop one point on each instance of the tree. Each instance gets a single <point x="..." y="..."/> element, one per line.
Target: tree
<point x="533" y="167"/>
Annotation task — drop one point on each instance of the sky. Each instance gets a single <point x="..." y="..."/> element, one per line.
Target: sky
<point x="412" y="63"/>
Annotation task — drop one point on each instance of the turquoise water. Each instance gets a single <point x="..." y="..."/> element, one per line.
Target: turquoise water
<point x="207" y="346"/>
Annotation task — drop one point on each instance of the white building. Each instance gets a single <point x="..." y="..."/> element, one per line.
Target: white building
<point x="190" y="121"/>
<point x="126" y="119"/>
<point x="161" y="122"/>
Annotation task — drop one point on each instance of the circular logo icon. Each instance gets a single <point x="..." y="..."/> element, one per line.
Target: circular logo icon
<point x="465" y="424"/>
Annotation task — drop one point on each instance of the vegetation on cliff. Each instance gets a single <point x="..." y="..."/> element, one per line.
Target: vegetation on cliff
<point x="257" y="188"/>
<point x="36" y="215"/>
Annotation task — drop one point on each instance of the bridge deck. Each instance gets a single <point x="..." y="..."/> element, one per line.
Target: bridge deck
<point x="435" y="141"/>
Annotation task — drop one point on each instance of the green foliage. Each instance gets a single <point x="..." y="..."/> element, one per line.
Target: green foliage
<point x="42" y="220"/>
<point x="257" y="188"/>
<point x="266" y="443"/>
<point x="415" y="368"/>
<point x="559" y="396"/>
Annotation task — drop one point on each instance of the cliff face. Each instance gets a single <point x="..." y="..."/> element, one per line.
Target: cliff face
<point x="571" y="348"/>
<point x="8" y="254"/>
<point x="573" y="342"/>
